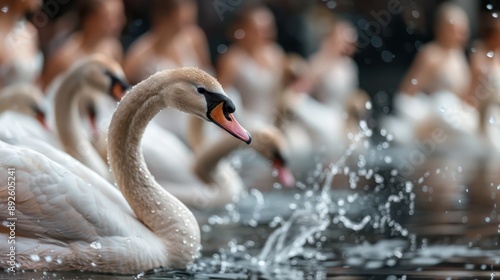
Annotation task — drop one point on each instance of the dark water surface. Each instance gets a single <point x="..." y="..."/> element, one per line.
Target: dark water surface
<point x="442" y="222"/>
<point x="449" y="244"/>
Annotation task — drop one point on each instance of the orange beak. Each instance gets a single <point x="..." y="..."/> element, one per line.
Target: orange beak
<point x="118" y="91"/>
<point x="118" y="86"/>
<point x="285" y="176"/>
<point x="229" y="123"/>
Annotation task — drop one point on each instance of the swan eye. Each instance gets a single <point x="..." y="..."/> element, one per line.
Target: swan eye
<point x="201" y="90"/>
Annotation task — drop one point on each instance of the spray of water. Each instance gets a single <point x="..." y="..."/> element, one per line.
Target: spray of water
<point x="307" y="223"/>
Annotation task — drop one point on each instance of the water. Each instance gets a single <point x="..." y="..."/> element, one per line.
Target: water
<point x="359" y="218"/>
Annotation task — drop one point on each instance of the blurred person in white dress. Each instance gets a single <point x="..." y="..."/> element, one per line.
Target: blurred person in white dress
<point x="100" y="25"/>
<point x="174" y="41"/>
<point x="432" y="92"/>
<point x="20" y="59"/>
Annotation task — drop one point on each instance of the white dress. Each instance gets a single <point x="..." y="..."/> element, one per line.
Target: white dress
<point x="257" y="88"/>
<point x="336" y="82"/>
<point x="170" y="119"/>
<point x="439" y="106"/>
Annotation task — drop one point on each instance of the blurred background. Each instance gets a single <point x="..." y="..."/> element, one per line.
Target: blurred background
<point x="386" y="46"/>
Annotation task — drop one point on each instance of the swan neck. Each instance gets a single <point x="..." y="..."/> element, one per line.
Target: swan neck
<point x="69" y="127"/>
<point x="164" y="214"/>
<point x="209" y="156"/>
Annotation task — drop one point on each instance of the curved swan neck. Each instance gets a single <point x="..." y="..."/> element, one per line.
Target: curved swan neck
<point x="69" y="128"/>
<point x="209" y="156"/>
<point x="165" y="215"/>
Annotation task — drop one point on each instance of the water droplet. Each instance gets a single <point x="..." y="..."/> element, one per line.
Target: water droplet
<point x="35" y="257"/>
<point x="414" y="82"/>
<point x="491" y="120"/>
<point x="495" y="15"/>
<point x="96" y="244"/>
<point x="221" y="48"/>
<point x="59" y="261"/>
<point x="490" y="54"/>
<point x="415" y="14"/>
<point x="239" y="34"/>
<point x="388" y="159"/>
<point x="206" y="228"/>
<point x="331" y="4"/>
<point x="93" y="264"/>
<point x="376" y="41"/>
<point x="489" y="7"/>
<point x="387" y="56"/>
<point x="5" y="9"/>
<point x="368" y="105"/>
<point x="153" y="211"/>
<point x="442" y="109"/>
<point x="184" y="241"/>
<point x="48" y="258"/>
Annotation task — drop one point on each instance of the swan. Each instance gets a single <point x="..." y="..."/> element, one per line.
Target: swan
<point x="65" y="224"/>
<point x="83" y="83"/>
<point x="23" y="124"/>
<point x="24" y="99"/>
<point x="22" y="112"/>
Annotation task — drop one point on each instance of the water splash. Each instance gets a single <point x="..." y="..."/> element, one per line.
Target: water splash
<point x="288" y="240"/>
<point x="96" y="245"/>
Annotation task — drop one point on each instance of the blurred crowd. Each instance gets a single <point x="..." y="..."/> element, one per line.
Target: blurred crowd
<point x="293" y="64"/>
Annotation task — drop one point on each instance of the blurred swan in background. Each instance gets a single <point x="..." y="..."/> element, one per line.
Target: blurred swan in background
<point x="71" y="224"/>
<point x="22" y="112"/>
<point x="90" y="76"/>
<point x="210" y="180"/>
<point x="82" y="83"/>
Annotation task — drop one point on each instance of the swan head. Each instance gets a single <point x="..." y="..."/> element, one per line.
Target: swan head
<point x="271" y="144"/>
<point x="196" y="92"/>
<point x="100" y="76"/>
<point x="105" y="75"/>
<point x="25" y="99"/>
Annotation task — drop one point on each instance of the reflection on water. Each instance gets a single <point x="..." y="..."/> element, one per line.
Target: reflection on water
<point x="455" y="243"/>
<point x="360" y="219"/>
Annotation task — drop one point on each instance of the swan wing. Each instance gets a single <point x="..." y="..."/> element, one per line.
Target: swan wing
<point x="52" y="203"/>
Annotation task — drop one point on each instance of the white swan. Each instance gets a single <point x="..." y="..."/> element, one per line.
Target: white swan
<point x="65" y="224"/>
<point x="83" y="83"/>
<point x="22" y="108"/>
